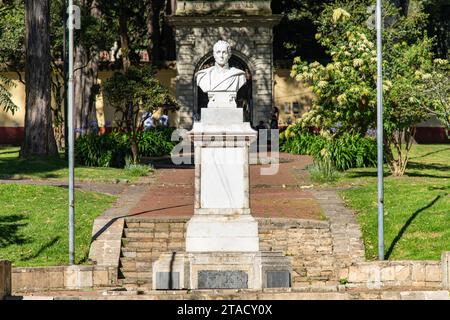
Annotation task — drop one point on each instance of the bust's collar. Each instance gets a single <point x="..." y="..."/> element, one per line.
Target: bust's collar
<point x="225" y="66"/>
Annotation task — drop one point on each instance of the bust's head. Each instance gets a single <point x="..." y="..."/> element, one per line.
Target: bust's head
<point x="222" y="52"/>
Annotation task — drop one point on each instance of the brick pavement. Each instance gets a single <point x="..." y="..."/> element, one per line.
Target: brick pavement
<point x="280" y="195"/>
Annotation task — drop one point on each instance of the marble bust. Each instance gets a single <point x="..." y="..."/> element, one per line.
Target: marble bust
<point x="220" y="77"/>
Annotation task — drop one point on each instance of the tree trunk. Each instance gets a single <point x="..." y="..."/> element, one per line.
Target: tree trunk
<point x="39" y="136"/>
<point x="85" y="78"/>
<point x="154" y="30"/>
<point x="124" y="42"/>
<point x="394" y="141"/>
<point x="80" y="64"/>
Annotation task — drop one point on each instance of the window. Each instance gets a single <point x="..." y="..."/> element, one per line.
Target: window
<point x="296" y="107"/>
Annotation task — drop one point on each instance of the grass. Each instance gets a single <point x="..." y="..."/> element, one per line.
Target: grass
<point x="417" y="205"/>
<point x="13" y="167"/>
<point x="34" y="224"/>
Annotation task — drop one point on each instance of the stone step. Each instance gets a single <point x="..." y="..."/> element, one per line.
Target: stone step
<point x="132" y="281"/>
<point x="138" y="266"/>
<point x="143" y="253"/>
<point x="145" y="233"/>
<point x="138" y="243"/>
<point x="125" y="261"/>
<point x="154" y="246"/>
<point x="139" y="232"/>
<point x="135" y="274"/>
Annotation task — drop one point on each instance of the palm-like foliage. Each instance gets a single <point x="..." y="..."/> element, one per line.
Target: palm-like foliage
<point x="5" y="96"/>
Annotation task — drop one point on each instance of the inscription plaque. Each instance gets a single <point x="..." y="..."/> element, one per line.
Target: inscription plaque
<point x="230" y="279"/>
<point x="278" y="279"/>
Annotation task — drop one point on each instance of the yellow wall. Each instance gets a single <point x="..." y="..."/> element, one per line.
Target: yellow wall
<point x="105" y="113"/>
<point x="18" y="97"/>
<point x="287" y="91"/>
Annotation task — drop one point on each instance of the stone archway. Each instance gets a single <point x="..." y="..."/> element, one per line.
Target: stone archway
<point x="248" y="29"/>
<point x="245" y="94"/>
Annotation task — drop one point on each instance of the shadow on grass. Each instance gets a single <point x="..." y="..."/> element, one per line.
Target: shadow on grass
<point x="430" y="153"/>
<point x="47" y="245"/>
<point x="9" y="230"/>
<point x="15" y="166"/>
<point x="363" y="174"/>
<point x="406" y="225"/>
<point x="428" y="166"/>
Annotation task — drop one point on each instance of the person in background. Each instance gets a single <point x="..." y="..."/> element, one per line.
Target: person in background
<point x="274" y="118"/>
<point x="164" y="119"/>
<point x="148" y="122"/>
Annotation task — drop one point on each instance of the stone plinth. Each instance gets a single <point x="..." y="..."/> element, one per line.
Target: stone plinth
<point x="445" y="266"/>
<point x="226" y="270"/>
<point x="5" y="278"/>
<point x="222" y="220"/>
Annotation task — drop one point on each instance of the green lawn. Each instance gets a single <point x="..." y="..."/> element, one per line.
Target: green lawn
<point x="417" y="206"/>
<point x="34" y="224"/>
<point x="13" y="167"/>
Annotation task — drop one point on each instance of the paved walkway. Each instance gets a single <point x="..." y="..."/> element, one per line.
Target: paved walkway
<point x="283" y="195"/>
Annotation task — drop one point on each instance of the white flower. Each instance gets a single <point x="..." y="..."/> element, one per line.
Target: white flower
<point x="358" y="62"/>
<point x="339" y="14"/>
<point x="322" y="84"/>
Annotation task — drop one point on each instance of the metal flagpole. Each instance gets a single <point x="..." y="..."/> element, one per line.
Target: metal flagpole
<point x="70" y="25"/>
<point x="380" y="134"/>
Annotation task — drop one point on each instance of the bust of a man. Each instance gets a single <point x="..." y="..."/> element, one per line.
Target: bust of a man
<point x="221" y="77"/>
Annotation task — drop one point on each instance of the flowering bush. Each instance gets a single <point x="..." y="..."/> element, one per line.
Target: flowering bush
<point x="346" y="86"/>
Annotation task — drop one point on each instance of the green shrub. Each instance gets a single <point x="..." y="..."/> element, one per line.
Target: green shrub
<point x="137" y="170"/>
<point x="346" y="151"/>
<point x="323" y="169"/>
<point x="111" y="150"/>
<point x="100" y="151"/>
<point x="155" y="142"/>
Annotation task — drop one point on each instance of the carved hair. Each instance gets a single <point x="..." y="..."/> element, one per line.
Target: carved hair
<point x="222" y="42"/>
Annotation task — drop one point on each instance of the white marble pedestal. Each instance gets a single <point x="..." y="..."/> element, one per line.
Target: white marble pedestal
<point x="222" y="221"/>
<point x="222" y="242"/>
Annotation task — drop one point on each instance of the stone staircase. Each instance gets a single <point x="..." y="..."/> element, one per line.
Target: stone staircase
<point x="143" y="241"/>
<point x="308" y="242"/>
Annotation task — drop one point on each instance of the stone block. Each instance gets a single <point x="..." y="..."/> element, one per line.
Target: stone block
<point x="445" y="267"/>
<point x="388" y="273"/>
<point x="402" y="273"/>
<point x="78" y="277"/>
<point x="433" y="273"/>
<point x="5" y="279"/>
<point x="418" y="272"/>
<point x="56" y="279"/>
<point x="437" y="295"/>
<point x="167" y="280"/>
<point x="100" y="277"/>
<point x="358" y="273"/>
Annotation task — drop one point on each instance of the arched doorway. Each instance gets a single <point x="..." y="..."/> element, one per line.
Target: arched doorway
<point x="244" y="97"/>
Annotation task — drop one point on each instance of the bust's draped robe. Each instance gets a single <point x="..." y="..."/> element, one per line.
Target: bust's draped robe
<point x="231" y="80"/>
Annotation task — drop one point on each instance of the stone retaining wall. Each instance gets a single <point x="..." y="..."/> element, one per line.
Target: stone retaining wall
<point x="309" y="243"/>
<point x="382" y="274"/>
<point x="62" y="277"/>
<point x="5" y="279"/>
